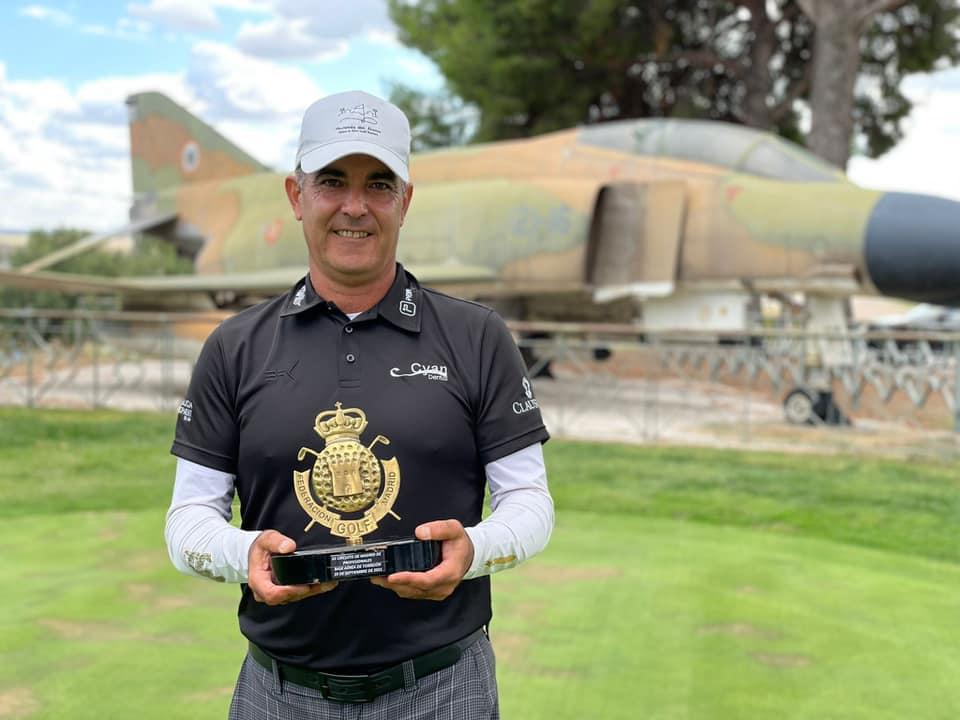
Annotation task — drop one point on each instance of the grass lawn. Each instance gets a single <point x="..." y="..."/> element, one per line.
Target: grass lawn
<point x="680" y="583"/>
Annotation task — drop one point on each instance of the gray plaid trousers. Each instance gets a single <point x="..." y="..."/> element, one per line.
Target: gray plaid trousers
<point x="467" y="690"/>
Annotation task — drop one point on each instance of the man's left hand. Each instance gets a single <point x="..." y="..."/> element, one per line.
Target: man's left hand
<point x="437" y="584"/>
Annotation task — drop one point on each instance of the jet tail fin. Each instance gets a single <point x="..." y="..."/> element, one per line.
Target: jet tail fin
<point x="170" y="147"/>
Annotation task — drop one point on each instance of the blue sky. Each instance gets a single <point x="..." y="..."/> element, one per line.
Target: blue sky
<point x="250" y="67"/>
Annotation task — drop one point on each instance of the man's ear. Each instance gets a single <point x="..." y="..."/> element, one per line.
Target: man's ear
<point x="292" y="187"/>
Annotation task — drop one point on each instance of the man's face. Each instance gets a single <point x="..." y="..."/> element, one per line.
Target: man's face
<point x="351" y="211"/>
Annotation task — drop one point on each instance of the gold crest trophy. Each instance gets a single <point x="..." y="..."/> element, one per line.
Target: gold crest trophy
<point x="349" y="490"/>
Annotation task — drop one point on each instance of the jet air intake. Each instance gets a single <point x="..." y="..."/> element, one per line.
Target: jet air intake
<point x="634" y="243"/>
<point x="912" y="248"/>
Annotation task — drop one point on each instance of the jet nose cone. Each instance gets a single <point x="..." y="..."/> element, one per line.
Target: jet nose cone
<point x="912" y="248"/>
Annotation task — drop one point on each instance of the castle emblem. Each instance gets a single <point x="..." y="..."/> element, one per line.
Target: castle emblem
<point x="348" y="489"/>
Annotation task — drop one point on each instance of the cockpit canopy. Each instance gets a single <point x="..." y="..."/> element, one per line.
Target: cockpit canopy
<point x="739" y="148"/>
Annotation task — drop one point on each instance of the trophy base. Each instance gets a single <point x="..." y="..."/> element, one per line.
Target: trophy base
<point x="350" y="562"/>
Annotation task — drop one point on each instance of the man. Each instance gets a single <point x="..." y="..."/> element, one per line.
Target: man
<point x="441" y="384"/>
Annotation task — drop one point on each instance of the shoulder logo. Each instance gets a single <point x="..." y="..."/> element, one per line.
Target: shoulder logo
<point x="530" y="403"/>
<point x="186" y="411"/>
<point x="430" y="372"/>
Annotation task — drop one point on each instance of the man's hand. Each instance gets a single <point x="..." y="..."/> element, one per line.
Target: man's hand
<point x="436" y="584"/>
<point x="260" y="577"/>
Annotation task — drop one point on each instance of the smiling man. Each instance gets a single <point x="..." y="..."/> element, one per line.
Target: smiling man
<point x="440" y="383"/>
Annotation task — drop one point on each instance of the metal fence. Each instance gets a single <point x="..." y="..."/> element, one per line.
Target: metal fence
<point x="77" y="359"/>
<point x="893" y="393"/>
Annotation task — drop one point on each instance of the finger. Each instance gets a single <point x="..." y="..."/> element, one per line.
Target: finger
<point x="439" y="530"/>
<point x="275" y="542"/>
<point x="285" y="594"/>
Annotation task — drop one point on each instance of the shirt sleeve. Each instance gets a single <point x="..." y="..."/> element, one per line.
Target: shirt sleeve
<point x="508" y="413"/>
<point x="200" y="539"/>
<point x="206" y="431"/>
<point x="521" y="520"/>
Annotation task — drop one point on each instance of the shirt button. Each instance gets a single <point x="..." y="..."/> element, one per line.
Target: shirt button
<point x="348" y="329"/>
<point x="351" y="357"/>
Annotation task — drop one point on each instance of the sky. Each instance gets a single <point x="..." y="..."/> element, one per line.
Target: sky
<point x="250" y="68"/>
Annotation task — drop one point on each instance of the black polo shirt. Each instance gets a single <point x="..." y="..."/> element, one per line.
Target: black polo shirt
<point x="440" y="379"/>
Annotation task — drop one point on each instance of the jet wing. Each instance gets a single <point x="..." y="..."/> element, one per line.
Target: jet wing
<point x="261" y="282"/>
<point x="90" y="241"/>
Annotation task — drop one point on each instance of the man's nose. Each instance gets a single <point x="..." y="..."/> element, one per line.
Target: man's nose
<point x="355" y="203"/>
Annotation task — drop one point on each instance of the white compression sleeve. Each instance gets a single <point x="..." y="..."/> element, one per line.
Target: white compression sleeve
<point x="200" y="539"/>
<point x="521" y="520"/>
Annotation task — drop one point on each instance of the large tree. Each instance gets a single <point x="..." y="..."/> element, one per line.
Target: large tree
<point x="531" y="66"/>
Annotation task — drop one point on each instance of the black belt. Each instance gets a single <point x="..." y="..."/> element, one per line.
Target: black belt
<point x="364" y="688"/>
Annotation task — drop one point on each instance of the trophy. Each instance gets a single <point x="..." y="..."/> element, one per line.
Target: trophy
<point x="349" y="490"/>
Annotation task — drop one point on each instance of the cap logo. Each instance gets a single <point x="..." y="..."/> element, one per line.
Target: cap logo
<point x="358" y="119"/>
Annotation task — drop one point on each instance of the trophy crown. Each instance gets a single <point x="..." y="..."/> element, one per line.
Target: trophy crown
<point x="332" y="425"/>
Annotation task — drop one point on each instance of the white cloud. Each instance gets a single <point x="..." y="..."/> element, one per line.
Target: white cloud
<point x="252" y="6"/>
<point x="42" y="12"/>
<point x="178" y="14"/>
<point x="66" y="154"/>
<point x="383" y="36"/>
<point x="416" y="68"/>
<point x="236" y="86"/>
<point x="95" y="30"/>
<point x="287" y="39"/>
<point x="348" y="20"/>
<point x="58" y="176"/>
<point x="932" y="135"/>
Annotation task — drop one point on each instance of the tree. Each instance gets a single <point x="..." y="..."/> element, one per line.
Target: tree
<point x="150" y="256"/>
<point x="531" y="66"/>
<point x="836" y="64"/>
<point x="438" y="120"/>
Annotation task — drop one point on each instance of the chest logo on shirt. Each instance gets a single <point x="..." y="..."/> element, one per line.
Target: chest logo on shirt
<point x="432" y="371"/>
<point x="348" y="489"/>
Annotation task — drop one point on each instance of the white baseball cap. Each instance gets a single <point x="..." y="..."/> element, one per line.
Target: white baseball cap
<point x="353" y="123"/>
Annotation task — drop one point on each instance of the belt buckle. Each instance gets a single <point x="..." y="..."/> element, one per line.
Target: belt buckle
<point x="346" y="688"/>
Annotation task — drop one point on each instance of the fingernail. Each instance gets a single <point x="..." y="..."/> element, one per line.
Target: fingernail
<point x="286" y="546"/>
<point x="424" y="532"/>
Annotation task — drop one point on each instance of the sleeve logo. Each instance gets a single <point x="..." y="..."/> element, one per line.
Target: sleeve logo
<point x="530" y="403"/>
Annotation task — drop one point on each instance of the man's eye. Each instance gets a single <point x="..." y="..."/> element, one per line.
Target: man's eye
<point x="329" y="182"/>
<point x="381" y="186"/>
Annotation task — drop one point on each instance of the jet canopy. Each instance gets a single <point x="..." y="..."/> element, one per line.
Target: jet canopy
<point x="739" y="148"/>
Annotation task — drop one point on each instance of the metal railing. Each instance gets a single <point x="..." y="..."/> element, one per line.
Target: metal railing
<point x="592" y="381"/>
<point x="85" y="359"/>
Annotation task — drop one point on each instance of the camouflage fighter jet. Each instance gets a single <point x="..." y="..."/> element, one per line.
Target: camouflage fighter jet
<point x="668" y="223"/>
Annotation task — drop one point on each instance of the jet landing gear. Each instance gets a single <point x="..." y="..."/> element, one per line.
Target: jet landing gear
<point x="805" y="406"/>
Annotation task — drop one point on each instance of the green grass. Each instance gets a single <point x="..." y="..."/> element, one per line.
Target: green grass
<point x="680" y="583"/>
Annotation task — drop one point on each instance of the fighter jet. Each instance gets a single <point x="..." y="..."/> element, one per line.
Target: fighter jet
<point x="664" y="223"/>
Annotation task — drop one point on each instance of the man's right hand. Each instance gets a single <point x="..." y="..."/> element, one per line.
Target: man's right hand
<point x="260" y="577"/>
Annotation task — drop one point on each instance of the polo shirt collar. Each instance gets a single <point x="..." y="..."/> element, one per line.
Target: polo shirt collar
<point x="301" y="297"/>
<point x="400" y="306"/>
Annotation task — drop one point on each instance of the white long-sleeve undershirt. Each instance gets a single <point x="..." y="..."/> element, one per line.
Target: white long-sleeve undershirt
<point x="201" y="540"/>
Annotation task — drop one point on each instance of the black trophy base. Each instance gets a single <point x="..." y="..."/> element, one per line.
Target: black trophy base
<point x="350" y="562"/>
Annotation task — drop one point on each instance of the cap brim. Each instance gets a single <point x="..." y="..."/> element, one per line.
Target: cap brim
<point x="321" y="156"/>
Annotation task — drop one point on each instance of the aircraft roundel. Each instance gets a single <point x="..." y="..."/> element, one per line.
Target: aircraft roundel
<point x="189" y="156"/>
